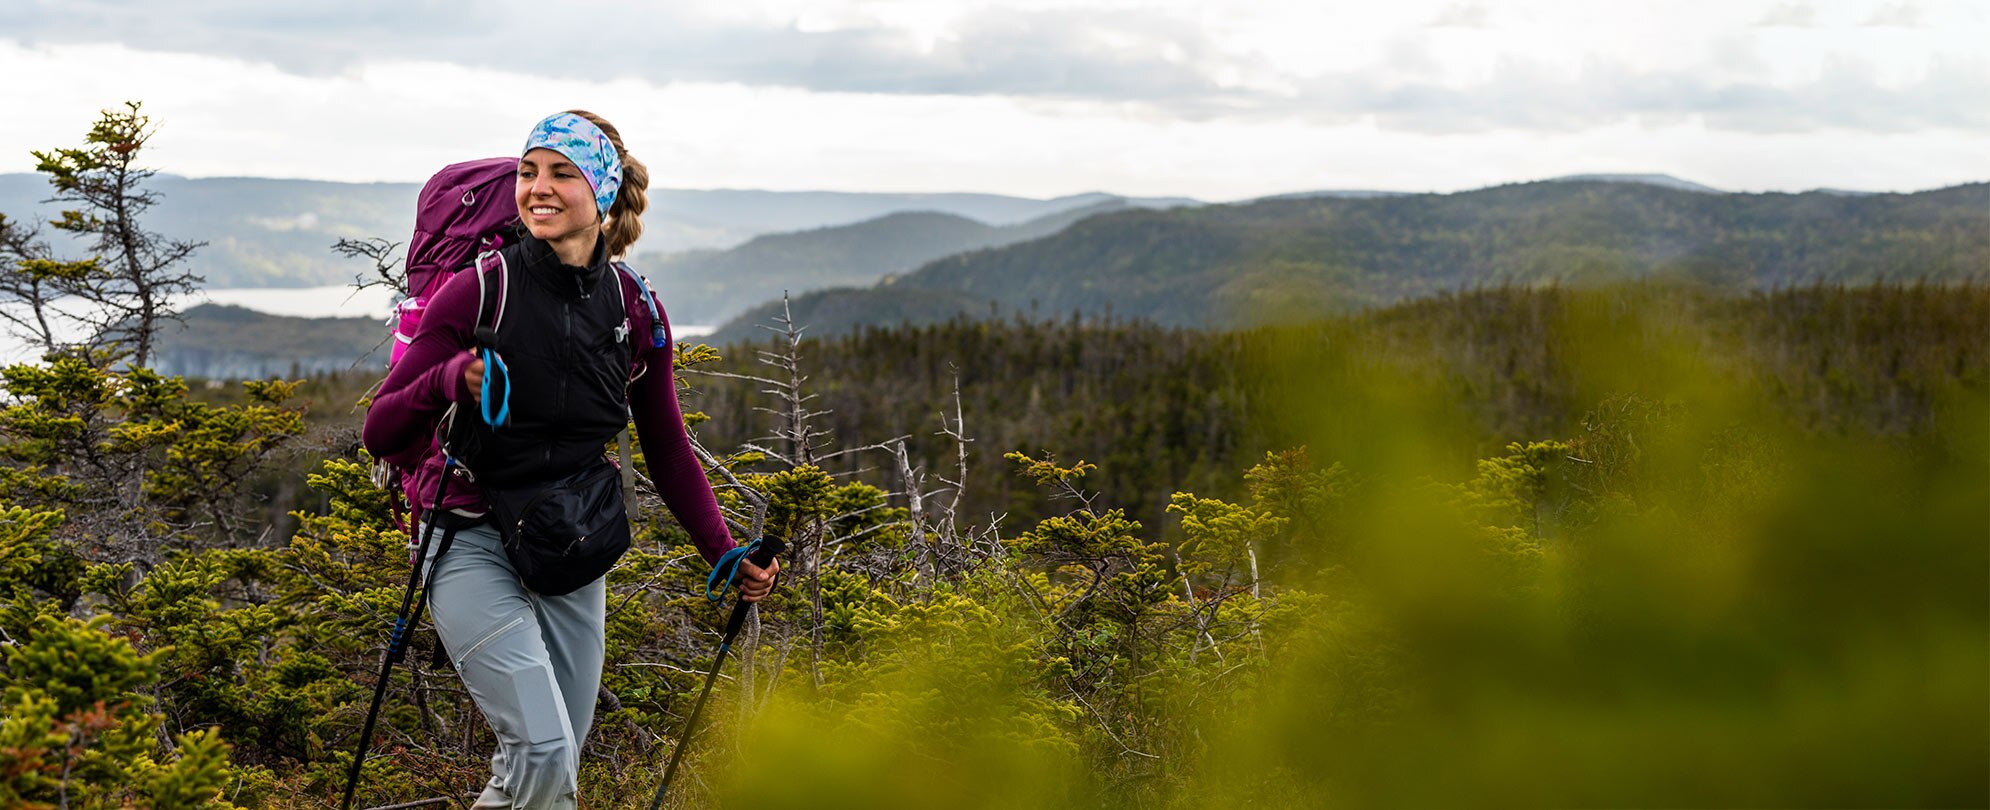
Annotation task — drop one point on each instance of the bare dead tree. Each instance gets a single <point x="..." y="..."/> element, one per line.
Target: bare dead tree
<point x="915" y="481"/>
<point x="797" y="442"/>
<point x="786" y="359"/>
<point x="795" y="431"/>
<point x="383" y="271"/>
<point x="380" y="253"/>
<point x="951" y="539"/>
<point x="942" y="546"/>
<point x="794" y="420"/>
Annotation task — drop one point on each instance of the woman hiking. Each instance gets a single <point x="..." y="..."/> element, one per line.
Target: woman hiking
<point x="528" y="363"/>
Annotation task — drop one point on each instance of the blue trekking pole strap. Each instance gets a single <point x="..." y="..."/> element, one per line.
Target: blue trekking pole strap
<point x="493" y="367"/>
<point x="728" y="564"/>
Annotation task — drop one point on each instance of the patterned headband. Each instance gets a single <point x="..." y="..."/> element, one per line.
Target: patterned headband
<point x="588" y="147"/>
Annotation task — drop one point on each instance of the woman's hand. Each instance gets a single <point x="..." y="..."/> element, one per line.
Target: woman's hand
<point x="473" y="376"/>
<point x="755" y="582"/>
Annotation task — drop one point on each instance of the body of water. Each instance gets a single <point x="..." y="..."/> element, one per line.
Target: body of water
<point x="343" y="301"/>
<point x="339" y="301"/>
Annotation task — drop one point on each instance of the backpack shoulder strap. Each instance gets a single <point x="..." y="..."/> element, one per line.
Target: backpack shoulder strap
<point x="659" y="337"/>
<point x="659" y="334"/>
<point x="491" y="298"/>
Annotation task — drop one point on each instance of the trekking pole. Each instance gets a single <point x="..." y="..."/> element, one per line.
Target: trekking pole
<point x="404" y="623"/>
<point x="761" y="553"/>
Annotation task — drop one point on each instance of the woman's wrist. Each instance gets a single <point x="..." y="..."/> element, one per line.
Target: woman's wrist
<point x="455" y="386"/>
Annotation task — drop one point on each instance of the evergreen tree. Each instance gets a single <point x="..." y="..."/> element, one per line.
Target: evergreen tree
<point x="131" y="281"/>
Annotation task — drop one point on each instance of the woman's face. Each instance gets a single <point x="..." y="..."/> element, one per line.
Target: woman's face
<point x="554" y="200"/>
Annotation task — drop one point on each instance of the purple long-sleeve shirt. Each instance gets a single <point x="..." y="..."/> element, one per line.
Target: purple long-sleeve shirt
<point x="400" y="426"/>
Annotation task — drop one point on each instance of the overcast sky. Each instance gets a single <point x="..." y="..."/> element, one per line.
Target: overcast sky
<point x="1217" y="100"/>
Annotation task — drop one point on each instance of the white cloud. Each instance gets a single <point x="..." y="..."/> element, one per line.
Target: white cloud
<point x="1184" y="58"/>
<point x="1789" y="15"/>
<point x="1038" y="96"/>
<point x="1462" y="15"/>
<point x="1895" y="15"/>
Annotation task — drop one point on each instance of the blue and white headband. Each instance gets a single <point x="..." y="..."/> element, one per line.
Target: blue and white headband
<point x="588" y="147"/>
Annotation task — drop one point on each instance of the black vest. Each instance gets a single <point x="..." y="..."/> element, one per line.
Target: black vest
<point x="563" y="334"/>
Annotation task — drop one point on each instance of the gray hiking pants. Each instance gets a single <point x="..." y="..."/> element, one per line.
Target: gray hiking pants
<point x="532" y="663"/>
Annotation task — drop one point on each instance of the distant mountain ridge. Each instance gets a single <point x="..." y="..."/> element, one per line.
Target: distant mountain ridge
<point x="709" y="287"/>
<point x="278" y="233"/>
<point x="739" y="214"/>
<point x="1218" y="266"/>
<point x="1660" y="180"/>
<point x="1649" y="179"/>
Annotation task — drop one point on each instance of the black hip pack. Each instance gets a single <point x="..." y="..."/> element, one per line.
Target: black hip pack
<point x="565" y="533"/>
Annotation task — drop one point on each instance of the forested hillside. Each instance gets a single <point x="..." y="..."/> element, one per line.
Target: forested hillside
<point x="1280" y="260"/>
<point x="1161" y="408"/>
<point x="219" y="342"/>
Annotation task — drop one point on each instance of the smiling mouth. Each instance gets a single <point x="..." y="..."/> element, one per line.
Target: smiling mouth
<point x="543" y="211"/>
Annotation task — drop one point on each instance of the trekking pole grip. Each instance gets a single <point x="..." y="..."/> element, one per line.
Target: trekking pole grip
<point x="761" y="557"/>
<point x="770" y="547"/>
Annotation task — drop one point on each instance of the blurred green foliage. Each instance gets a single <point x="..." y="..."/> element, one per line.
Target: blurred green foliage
<point x="1641" y="547"/>
<point x="1743" y="559"/>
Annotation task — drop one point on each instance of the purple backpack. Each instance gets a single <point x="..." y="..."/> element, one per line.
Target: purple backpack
<point x="463" y="210"/>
